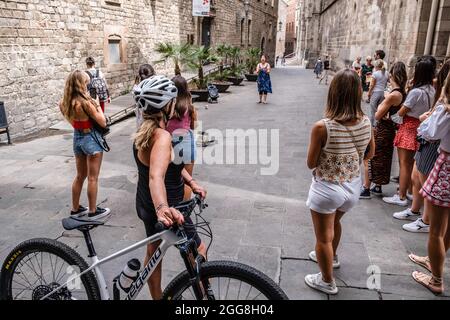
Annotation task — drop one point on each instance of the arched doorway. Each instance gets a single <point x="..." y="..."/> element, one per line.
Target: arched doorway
<point x="263" y="44"/>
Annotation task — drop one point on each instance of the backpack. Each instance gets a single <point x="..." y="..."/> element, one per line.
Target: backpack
<point x="97" y="86"/>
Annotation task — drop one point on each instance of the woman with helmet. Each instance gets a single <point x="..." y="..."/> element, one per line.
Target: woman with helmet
<point x="161" y="181"/>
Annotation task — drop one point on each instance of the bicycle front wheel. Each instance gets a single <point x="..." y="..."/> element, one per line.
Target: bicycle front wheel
<point x="37" y="267"/>
<point x="228" y="281"/>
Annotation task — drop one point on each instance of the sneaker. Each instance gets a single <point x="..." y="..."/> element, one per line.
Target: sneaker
<point x="417" y="226"/>
<point x="396" y="201"/>
<point x="365" y="194"/>
<point x="80" y="212"/>
<point x="407" y="215"/>
<point x="377" y="190"/>
<point x="99" y="213"/>
<point x="336" y="263"/>
<point x="316" y="282"/>
<point x="409" y="196"/>
<point x="395" y="179"/>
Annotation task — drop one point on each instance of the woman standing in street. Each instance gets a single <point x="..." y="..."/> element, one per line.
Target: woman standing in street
<point x="161" y="181"/>
<point x="336" y="152"/>
<point x="366" y="73"/>
<point x="419" y="100"/>
<point x="380" y="165"/>
<point x="81" y="110"/>
<point x="264" y="83"/>
<point x="318" y="68"/>
<point x="181" y="126"/>
<point x="436" y="192"/>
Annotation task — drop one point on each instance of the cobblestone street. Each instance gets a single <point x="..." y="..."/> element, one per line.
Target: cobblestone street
<point x="259" y="220"/>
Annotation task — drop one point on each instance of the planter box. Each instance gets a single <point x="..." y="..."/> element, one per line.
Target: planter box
<point x="201" y="95"/>
<point x="222" y="86"/>
<point x="251" y="77"/>
<point x="235" y="81"/>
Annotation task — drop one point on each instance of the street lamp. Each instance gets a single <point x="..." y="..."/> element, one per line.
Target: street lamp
<point x="280" y="24"/>
<point x="246" y="7"/>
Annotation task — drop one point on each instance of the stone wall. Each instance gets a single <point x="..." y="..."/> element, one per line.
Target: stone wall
<point x="41" y="41"/>
<point x="349" y="28"/>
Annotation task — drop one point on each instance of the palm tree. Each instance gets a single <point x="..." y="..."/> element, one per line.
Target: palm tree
<point x="200" y="56"/>
<point x="235" y="56"/>
<point x="253" y="55"/>
<point x="178" y="53"/>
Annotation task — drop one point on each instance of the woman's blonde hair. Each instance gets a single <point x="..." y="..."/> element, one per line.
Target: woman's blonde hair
<point x="379" y="64"/>
<point x="143" y="139"/>
<point x="75" y="90"/>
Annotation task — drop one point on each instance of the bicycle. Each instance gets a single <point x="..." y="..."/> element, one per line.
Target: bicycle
<point x="24" y="277"/>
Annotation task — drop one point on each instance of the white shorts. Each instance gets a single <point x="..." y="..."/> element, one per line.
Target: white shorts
<point x="328" y="197"/>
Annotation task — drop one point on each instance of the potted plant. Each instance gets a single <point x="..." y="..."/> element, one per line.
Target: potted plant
<point x="198" y="57"/>
<point x="179" y="54"/>
<point x="219" y="79"/>
<point x="236" y="68"/>
<point x="253" y="55"/>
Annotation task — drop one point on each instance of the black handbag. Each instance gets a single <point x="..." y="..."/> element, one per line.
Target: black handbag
<point x="103" y="131"/>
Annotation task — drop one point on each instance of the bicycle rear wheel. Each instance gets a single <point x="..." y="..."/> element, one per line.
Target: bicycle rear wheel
<point x="228" y="281"/>
<point x="37" y="267"/>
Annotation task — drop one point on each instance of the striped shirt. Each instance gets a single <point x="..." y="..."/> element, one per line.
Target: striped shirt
<point x="342" y="156"/>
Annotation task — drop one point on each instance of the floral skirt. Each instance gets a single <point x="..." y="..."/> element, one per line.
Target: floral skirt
<point x="437" y="188"/>
<point x="406" y="137"/>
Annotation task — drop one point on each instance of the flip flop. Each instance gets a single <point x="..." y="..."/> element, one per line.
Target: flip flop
<point x="426" y="281"/>
<point x="424" y="262"/>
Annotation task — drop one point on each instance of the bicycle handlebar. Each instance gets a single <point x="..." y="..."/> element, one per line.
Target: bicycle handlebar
<point x="185" y="209"/>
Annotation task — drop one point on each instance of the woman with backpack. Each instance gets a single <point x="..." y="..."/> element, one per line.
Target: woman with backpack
<point x="80" y="110"/>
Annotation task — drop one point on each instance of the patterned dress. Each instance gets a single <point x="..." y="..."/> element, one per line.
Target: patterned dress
<point x="264" y="83"/>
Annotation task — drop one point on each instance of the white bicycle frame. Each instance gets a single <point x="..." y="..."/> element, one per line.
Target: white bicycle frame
<point x="169" y="239"/>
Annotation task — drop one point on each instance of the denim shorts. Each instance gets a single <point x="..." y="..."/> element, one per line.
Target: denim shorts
<point x="184" y="146"/>
<point x="86" y="143"/>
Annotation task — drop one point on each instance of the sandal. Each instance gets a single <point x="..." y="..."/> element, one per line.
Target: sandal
<point x="424" y="262"/>
<point x="432" y="283"/>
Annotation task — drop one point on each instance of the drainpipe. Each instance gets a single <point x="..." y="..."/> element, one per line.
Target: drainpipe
<point x="431" y="26"/>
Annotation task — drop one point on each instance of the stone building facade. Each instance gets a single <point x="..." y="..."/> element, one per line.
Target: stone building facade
<point x="345" y="29"/>
<point x="41" y="41"/>
<point x="281" y="25"/>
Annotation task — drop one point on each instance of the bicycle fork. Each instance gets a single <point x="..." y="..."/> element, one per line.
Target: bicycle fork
<point x="193" y="262"/>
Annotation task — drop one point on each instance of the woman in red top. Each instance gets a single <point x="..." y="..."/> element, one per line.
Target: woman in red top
<point x="78" y="108"/>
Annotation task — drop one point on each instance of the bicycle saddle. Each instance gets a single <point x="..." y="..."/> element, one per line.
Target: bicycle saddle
<point x="79" y="223"/>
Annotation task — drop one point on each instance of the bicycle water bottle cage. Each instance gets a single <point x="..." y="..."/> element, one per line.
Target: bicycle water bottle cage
<point x="80" y="224"/>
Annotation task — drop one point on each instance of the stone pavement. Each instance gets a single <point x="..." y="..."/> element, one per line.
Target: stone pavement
<point x="259" y="220"/>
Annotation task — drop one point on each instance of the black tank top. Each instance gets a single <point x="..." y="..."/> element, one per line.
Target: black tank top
<point x="394" y="109"/>
<point x="173" y="181"/>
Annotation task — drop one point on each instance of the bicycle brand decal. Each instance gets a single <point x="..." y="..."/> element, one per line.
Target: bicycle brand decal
<point x="14" y="257"/>
<point x="139" y="283"/>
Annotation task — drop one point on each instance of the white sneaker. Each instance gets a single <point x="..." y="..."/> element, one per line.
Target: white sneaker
<point x="336" y="263"/>
<point x="396" y="201"/>
<point x="417" y="226"/>
<point x="316" y="282"/>
<point x="407" y="215"/>
<point x="409" y="196"/>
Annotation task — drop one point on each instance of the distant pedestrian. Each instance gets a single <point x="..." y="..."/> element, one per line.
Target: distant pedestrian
<point x="283" y="60"/>
<point x="377" y="87"/>
<point x="356" y="66"/>
<point x="318" y="68"/>
<point x="336" y="165"/>
<point x="181" y="126"/>
<point x="98" y="88"/>
<point x="326" y="68"/>
<point x="81" y="111"/>
<point x="366" y="73"/>
<point x="276" y="61"/>
<point x="380" y="55"/>
<point x="145" y="71"/>
<point x="264" y="83"/>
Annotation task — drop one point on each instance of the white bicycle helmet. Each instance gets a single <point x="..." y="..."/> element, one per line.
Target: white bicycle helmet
<point x="154" y="93"/>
